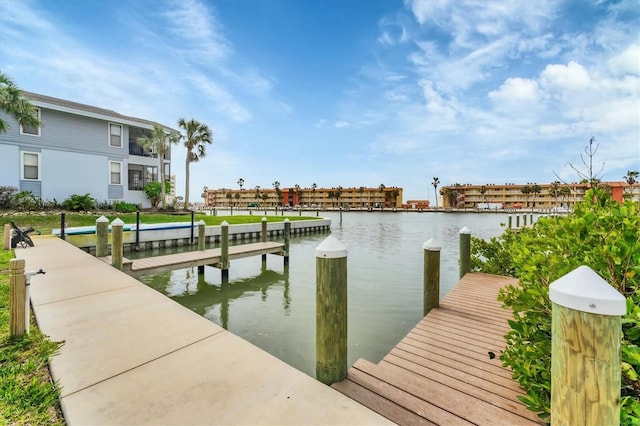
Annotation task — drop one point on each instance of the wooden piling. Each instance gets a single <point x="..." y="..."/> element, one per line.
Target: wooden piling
<point x="524" y="220"/>
<point x="102" y="236"/>
<point x="431" y="281"/>
<point x="517" y="221"/>
<point x="7" y="236"/>
<point x="62" y="225"/>
<point x="263" y="238"/>
<point x="287" y="237"/>
<point x="509" y="222"/>
<point x="224" y="250"/>
<point x="201" y="235"/>
<point x="331" y="311"/>
<point x="117" y="248"/>
<point x="465" y="251"/>
<point x="585" y="349"/>
<point x="17" y="298"/>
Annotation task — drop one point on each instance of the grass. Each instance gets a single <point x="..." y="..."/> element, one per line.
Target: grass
<point x="27" y="394"/>
<point x="44" y="223"/>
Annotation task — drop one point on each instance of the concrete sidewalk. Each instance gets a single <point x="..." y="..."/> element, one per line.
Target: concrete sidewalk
<point x="133" y="356"/>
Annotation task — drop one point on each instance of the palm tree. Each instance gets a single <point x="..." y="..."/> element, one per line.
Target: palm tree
<point x="483" y="190"/>
<point x="240" y="183"/>
<point x="237" y="197"/>
<point x="381" y="188"/>
<point x="554" y="190"/>
<point x="196" y="135"/>
<point x="258" y="194"/>
<point x="535" y="190"/>
<point x="160" y="142"/>
<point x="361" y="191"/>
<point x="313" y="192"/>
<point x="631" y="177"/>
<point x="299" y="193"/>
<point x="276" y="186"/>
<point x="526" y="190"/>
<point x="395" y="193"/>
<point x="230" y="196"/>
<point x="435" y="184"/>
<point x="14" y="104"/>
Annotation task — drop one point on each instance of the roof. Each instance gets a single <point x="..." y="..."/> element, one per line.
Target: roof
<point x="86" y="110"/>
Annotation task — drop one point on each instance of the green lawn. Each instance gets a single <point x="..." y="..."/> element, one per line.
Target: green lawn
<point x="27" y="394"/>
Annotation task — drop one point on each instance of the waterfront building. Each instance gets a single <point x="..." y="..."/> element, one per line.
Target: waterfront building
<point x="520" y="196"/>
<point x="298" y="197"/>
<point x="79" y="149"/>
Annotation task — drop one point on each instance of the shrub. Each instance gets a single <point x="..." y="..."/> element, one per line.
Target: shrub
<point x="104" y="205"/>
<point x="26" y="200"/>
<point x="124" y="207"/>
<point x="601" y="234"/>
<point x="79" y="202"/>
<point x="6" y="196"/>
<point x="153" y="190"/>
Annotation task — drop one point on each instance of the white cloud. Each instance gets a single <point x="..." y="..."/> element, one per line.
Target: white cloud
<point x="627" y="62"/>
<point x="516" y="90"/>
<point x="341" y="124"/>
<point x="221" y="99"/>
<point x="570" y="77"/>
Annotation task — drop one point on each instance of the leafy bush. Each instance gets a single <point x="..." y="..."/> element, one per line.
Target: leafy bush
<point x="153" y="190"/>
<point x="26" y="200"/>
<point x="79" y="202"/>
<point x="6" y="196"/>
<point x="601" y="234"/>
<point x="124" y="207"/>
<point x="104" y="205"/>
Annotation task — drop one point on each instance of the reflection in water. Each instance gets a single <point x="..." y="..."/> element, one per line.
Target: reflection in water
<point x="192" y="290"/>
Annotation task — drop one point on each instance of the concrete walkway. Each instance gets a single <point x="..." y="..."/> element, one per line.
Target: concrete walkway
<point x="133" y="356"/>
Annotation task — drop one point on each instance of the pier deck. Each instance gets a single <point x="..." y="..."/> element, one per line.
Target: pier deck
<point x="168" y="262"/>
<point x="131" y="355"/>
<point x="442" y="371"/>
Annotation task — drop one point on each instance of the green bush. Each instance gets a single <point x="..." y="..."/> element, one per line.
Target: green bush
<point x="124" y="207"/>
<point x="602" y="234"/>
<point x="26" y="200"/>
<point x="79" y="203"/>
<point x="153" y="190"/>
<point x="6" y="196"/>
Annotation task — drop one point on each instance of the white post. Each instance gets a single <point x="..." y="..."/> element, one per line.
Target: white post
<point x="586" y="331"/>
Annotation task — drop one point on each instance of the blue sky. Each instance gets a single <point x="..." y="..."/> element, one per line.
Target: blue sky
<point x="351" y="92"/>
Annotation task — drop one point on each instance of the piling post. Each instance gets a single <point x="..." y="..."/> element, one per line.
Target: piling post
<point x="517" y="221"/>
<point x="117" y="249"/>
<point x="201" y="236"/>
<point x="509" y="222"/>
<point x="137" y="230"/>
<point x="263" y="238"/>
<point x="224" y="250"/>
<point x="62" y="224"/>
<point x="287" y="235"/>
<point x="431" y="282"/>
<point x="586" y="330"/>
<point x="331" y="311"/>
<point x="531" y="217"/>
<point x="17" y="298"/>
<point x="524" y="220"/>
<point x="102" y="236"/>
<point x="7" y="236"/>
<point x="192" y="225"/>
<point x="465" y="251"/>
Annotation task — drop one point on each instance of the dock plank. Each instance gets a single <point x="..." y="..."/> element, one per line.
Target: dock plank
<point x="444" y="362"/>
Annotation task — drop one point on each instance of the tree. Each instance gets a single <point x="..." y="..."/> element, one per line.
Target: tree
<point x="361" y="191"/>
<point x="298" y="192"/>
<point x="381" y="188"/>
<point x="276" y="186"/>
<point x="526" y="190"/>
<point x="535" y="190"/>
<point x="554" y="190"/>
<point x="154" y="190"/>
<point x="313" y="192"/>
<point x="588" y="176"/>
<point x="257" y="188"/>
<point x="160" y="142"/>
<point x="229" y="196"/>
<point x="196" y="135"/>
<point x="631" y="177"/>
<point x="240" y="183"/>
<point x="435" y="184"/>
<point x="14" y="104"/>
<point x="395" y="192"/>
<point x="483" y="190"/>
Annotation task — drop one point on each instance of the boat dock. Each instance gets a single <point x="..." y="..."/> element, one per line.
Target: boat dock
<point x="447" y="369"/>
<point x="210" y="257"/>
<point x="131" y="355"/>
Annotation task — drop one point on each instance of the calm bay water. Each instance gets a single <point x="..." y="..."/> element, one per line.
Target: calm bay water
<point x="274" y="308"/>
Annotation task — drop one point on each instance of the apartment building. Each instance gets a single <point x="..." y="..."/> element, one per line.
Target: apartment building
<point x="322" y="198"/>
<point x="79" y="149"/>
<point x="511" y="195"/>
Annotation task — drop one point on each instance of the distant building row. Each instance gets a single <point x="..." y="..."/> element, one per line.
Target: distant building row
<point x="350" y="198"/>
<point x="509" y="196"/>
<point x="79" y="149"/>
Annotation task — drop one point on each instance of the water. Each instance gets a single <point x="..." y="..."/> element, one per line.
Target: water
<point x="274" y="308"/>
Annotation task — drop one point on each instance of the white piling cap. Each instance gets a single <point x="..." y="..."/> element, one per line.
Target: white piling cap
<point x="584" y="290"/>
<point x="102" y="219"/>
<point x="331" y="248"/>
<point x="286" y="220"/>
<point x="264" y="219"/>
<point x="465" y="230"/>
<point x="431" y="245"/>
<point x="117" y="222"/>
<point x="201" y="222"/>
<point x="224" y="223"/>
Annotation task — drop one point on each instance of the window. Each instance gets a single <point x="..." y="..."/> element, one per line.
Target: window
<point x="30" y="166"/>
<point x="28" y="130"/>
<point x="115" y="135"/>
<point x="115" y="173"/>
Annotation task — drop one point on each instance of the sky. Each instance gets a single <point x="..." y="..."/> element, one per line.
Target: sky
<point x="351" y="92"/>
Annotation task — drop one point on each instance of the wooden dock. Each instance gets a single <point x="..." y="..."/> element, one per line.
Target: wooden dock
<point x="442" y="372"/>
<point x="211" y="257"/>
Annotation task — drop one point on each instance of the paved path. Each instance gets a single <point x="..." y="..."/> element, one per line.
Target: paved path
<point x="133" y="356"/>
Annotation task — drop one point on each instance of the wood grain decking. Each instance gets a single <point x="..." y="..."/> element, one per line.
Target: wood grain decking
<point x="441" y="372"/>
<point x="155" y="264"/>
